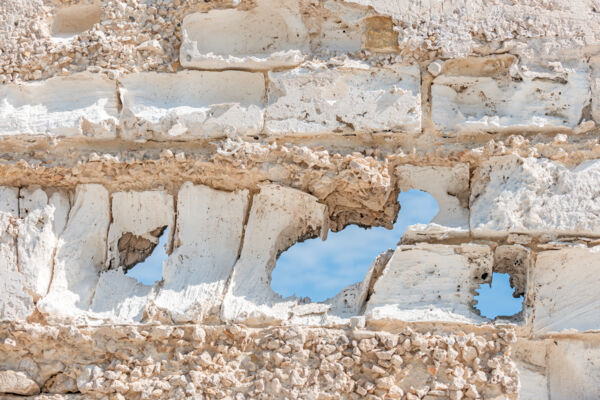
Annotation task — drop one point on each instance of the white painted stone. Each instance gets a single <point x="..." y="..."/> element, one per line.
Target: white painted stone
<point x="353" y="97"/>
<point x="573" y="370"/>
<point x="537" y="100"/>
<point x="15" y="302"/>
<point x="207" y="244"/>
<point x="80" y="256"/>
<point x="43" y="221"/>
<point x="270" y="35"/>
<point x="445" y="184"/>
<point x="535" y="196"/>
<point x="279" y="217"/>
<point x="78" y="105"/>
<point x="138" y="213"/>
<point x="119" y="298"/>
<point x="431" y="282"/>
<point x="565" y="290"/>
<point x="191" y="105"/>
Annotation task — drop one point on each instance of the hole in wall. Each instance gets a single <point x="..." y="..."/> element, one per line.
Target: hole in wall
<point x="70" y="21"/>
<point x="320" y="270"/>
<point x="498" y="298"/>
<point x="143" y="259"/>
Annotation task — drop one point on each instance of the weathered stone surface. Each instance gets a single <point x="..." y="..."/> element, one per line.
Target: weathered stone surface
<point x="450" y="187"/>
<point x="210" y="224"/>
<point x="15" y="304"/>
<point x="242" y="38"/>
<point x="59" y="107"/>
<point x="428" y="282"/>
<point x="191" y="105"/>
<point x="535" y="196"/>
<point x="16" y="382"/>
<point x="573" y="371"/>
<point x="563" y="285"/>
<point x="80" y="256"/>
<point x="279" y="217"/>
<point x="465" y="99"/>
<point x="351" y="98"/>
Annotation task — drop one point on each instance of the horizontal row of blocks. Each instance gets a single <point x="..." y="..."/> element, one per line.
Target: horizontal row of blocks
<point x="312" y="100"/>
<point x="69" y="248"/>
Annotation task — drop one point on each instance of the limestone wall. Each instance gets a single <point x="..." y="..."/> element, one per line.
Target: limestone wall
<point x="246" y="126"/>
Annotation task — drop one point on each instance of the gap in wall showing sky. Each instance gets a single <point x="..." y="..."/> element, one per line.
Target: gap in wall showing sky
<point x="319" y="270"/>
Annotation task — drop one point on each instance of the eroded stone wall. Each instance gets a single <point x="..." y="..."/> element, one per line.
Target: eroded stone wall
<point x="243" y="127"/>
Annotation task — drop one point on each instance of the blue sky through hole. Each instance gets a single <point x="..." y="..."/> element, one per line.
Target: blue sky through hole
<point x="150" y="270"/>
<point x="497" y="300"/>
<point x="320" y="269"/>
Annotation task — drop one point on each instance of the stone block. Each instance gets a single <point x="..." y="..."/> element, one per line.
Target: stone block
<point x="573" y="370"/>
<point x="208" y="238"/>
<point x="450" y="188"/>
<point x="191" y="105"/>
<point x="268" y="35"/>
<point x="496" y="95"/>
<point x="431" y="282"/>
<point x="352" y="98"/>
<point x="510" y="194"/>
<point x="564" y="290"/>
<point x="80" y="256"/>
<point x="79" y="105"/>
<point x="279" y="217"/>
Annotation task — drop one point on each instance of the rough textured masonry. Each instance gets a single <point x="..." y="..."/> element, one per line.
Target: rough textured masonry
<point x="245" y="126"/>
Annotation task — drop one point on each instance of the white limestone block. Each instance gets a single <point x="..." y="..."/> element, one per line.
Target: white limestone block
<point x="191" y="105"/>
<point x="535" y="196"/>
<point x="15" y="302"/>
<point x="119" y="299"/>
<point x="534" y="382"/>
<point x="42" y="222"/>
<point x="355" y="97"/>
<point x="573" y="370"/>
<point x="80" y="256"/>
<point x="565" y="290"/>
<point x="445" y="184"/>
<point x="279" y="217"/>
<point x="528" y="100"/>
<point x="138" y="213"/>
<point x="208" y="238"/>
<point x="78" y="105"/>
<point x="431" y="282"/>
<point x="269" y="35"/>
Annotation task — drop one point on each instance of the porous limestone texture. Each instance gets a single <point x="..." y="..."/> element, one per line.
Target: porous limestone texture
<point x="353" y="97"/>
<point x="230" y="130"/>
<point x="471" y="96"/>
<point x="535" y="196"/>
